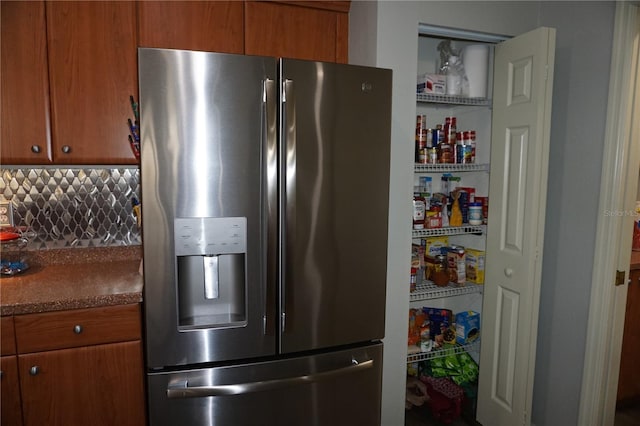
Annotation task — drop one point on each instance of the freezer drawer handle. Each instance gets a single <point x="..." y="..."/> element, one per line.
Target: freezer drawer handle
<point x="183" y="390"/>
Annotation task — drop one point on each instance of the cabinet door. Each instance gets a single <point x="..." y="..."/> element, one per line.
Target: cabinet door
<point x="629" y="378"/>
<point x="93" y="71"/>
<point x="99" y="385"/>
<point x="293" y="31"/>
<point x="25" y="85"/>
<point x="10" y="412"/>
<point x="517" y="193"/>
<point x="7" y="336"/>
<point x="192" y="25"/>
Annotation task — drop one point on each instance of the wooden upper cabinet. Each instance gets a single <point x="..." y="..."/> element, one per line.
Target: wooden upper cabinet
<point x="294" y="30"/>
<point x="25" y="87"/>
<point x="212" y="26"/>
<point x="92" y="73"/>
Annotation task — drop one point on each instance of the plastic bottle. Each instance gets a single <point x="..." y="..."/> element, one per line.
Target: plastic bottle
<point x="419" y="211"/>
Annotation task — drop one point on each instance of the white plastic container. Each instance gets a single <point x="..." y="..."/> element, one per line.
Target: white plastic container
<point x="475" y="214"/>
<point x="476" y="65"/>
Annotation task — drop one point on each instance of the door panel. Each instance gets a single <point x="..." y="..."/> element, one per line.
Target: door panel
<point x="11" y="413"/>
<point x="100" y="385"/>
<point x="519" y="156"/>
<point x="203" y="164"/>
<point x="292" y="31"/>
<point x="515" y="181"/>
<point x="25" y="86"/>
<point x="629" y="377"/>
<point x="336" y="213"/>
<point x="92" y="72"/>
<point x="211" y="26"/>
<point x="338" y="388"/>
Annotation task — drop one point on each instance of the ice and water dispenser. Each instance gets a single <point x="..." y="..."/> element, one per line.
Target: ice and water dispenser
<point x="211" y="275"/>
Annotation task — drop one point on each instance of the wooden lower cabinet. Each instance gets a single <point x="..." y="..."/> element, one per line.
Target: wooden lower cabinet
<point x="94" y="385"/>
<point x="81" y="367"/>
<point x="10" y="409"/>
<point x="629" y="377"/>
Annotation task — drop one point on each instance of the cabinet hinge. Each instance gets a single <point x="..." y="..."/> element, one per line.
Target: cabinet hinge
<point x="620" y="277"/>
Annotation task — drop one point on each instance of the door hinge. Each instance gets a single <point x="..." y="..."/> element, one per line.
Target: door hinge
<point x="620" y="277"/>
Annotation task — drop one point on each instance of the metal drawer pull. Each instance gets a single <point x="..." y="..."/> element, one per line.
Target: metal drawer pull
<point x="34" y="370"/>
<point x="77" y="329"/>
<point x="182" y="389"/>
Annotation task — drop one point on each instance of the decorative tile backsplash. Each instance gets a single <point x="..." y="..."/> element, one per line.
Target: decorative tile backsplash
<point x="74" y="207"/>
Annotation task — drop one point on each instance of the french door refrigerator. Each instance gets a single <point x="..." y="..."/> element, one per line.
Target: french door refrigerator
<point x="264" y="210"/>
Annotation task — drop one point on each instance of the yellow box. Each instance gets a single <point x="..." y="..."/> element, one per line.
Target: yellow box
<point x="474" y="263"/>
<point x="432" y="245"/>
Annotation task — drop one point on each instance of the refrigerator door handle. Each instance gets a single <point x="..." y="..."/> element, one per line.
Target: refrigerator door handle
<point x="183" y="390"/>
<point x="270" y="132"/>
<point x="288" y="199"/>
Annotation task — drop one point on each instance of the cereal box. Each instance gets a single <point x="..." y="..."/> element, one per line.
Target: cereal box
<point x="433" y="245"/>
<point x="474" y="261"/>
<point x="467" y="327"/>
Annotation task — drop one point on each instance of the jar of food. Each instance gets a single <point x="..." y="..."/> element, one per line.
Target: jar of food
<point x="440" y="277"/>
<point x="445" y="153"/>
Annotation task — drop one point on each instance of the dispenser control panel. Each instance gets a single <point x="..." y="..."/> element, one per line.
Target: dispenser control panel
<point x="210" y="235"/>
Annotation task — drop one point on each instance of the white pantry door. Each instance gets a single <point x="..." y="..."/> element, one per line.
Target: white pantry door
<point x="523" y="82"/>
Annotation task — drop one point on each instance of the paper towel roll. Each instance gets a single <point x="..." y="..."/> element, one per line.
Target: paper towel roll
<point x="476" y="64"/>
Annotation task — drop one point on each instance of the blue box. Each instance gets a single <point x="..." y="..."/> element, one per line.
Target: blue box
<point x="467" y="327"/>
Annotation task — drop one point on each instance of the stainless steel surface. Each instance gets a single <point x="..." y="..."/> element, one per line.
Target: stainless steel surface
<point x="264" y="241"/>
<point x="335" y="399"/>
<point x="336" y="131"/>
<point x="73" y="207"/>
<point x="204" y="154"/>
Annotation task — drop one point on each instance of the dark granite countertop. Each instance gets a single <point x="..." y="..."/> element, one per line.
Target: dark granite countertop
<point x="74" y="279"/>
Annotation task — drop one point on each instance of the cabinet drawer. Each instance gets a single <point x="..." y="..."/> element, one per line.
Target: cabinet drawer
<point x="7" y="336"/>
<point x="81" y="327"/>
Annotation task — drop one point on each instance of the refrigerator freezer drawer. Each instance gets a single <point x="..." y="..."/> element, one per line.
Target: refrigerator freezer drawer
<point x="334" y="388"/>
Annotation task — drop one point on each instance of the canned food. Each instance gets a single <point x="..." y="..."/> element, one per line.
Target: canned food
<point x="445" y="153"/>
<point x="432" y="155"/>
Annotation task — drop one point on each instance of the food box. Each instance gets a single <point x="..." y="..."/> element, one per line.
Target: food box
<point x="456" y="265"/>
<point x="432" y="83"/>
<point x="433" y="245"/>
<point x="474" y="262"/>
<point x="417" y="256"/>
<point x="439" y="325"/>
<point x="467" y="327"/>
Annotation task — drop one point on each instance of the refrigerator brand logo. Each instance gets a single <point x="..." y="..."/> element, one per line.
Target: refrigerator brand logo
<point x="616" y="213"/>
<point x="367" y="87"/>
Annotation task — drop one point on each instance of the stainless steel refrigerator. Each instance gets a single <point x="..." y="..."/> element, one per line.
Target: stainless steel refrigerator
<point x="265" y="188"/>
